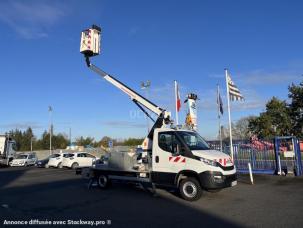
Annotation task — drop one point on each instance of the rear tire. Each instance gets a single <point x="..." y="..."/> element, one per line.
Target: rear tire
<point x="103" y="181"/>
<point x="190" y="189"/>
<point x="75" y="165"/>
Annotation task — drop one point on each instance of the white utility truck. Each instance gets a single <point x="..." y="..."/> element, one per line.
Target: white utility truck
<point x="172" y="157"/>
<point x="7" y="150"/>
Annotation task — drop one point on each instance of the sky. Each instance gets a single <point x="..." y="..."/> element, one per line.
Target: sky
<point x="190" y="41"/>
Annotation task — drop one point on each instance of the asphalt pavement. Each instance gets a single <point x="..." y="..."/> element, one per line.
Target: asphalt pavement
<point x="51" y="196"/>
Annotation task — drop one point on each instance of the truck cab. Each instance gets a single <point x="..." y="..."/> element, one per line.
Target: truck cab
<point x="7" y="149"/>
<point x="181" y="154"/>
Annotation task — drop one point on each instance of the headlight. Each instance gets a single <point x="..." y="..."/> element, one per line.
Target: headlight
<point x="209" y="162"/>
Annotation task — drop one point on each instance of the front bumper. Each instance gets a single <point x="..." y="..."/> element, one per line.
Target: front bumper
<point x="216" y="180"/>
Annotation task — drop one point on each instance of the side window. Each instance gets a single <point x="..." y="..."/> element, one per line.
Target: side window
<point x="14" y="146"/>
<point x="165" y="141"/>
<point x="170" y="143"/>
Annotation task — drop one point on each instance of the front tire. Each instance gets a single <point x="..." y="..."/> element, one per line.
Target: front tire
<point x="190" y="189"/>
<point x="60" y="165"/>
<point x="103" y="181"/>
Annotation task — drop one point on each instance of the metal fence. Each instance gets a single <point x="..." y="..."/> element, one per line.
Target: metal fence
<point x="262" y="158"/>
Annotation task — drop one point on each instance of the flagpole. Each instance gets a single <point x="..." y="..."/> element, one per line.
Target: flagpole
<point x="229" y="119"/>
<point x="50" y="109"/>
<point x="176" y="100"/>
<point x="219" y="116"/>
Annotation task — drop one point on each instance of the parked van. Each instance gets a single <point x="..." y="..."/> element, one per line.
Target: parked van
<point x="24" y="159"/>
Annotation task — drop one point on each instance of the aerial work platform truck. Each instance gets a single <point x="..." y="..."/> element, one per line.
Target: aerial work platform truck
<point x="7" y="150"/>
<point x="171" y="157"/>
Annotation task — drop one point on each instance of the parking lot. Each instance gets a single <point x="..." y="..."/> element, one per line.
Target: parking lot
<point x="60" y="195"/>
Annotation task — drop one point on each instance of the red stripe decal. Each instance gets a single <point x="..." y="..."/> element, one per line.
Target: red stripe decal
<point x="170" y="158"/>
<point x="177" y="159"/>
<point x="220" y="161"/>
<point x="224" y="161"/>
<point x="183" y="160"/>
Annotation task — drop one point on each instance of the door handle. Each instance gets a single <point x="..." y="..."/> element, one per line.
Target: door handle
<point x="157" y="159"/>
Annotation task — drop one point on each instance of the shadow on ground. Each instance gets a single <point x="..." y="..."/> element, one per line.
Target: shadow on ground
<point x="69" y="199"/>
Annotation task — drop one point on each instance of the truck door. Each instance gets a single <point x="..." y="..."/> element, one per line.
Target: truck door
<point x="167" y="158"/>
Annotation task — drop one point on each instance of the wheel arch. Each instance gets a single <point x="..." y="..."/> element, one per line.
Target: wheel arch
<point x="186" y="173"/>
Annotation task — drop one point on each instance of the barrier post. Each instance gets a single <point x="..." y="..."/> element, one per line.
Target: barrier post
<point x="250" y="173"/>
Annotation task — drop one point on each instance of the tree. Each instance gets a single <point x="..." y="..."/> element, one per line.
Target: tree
<point x="295" y="93"/>
<point x="81" y="141"/>
<point x="133" y="142"/>
<point x="240" y="129"/>
<point x="18" y="137"/>
<point x="60" y="141"/>
<point x="274" y="121"/>
<point x="104" y="141"/>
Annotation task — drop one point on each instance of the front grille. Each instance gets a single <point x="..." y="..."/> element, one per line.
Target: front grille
<point x="225" y="168"/>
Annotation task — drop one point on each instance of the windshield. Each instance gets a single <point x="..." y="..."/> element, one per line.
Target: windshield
<point x="21" y="156"/>
<point x="193" y="140"/>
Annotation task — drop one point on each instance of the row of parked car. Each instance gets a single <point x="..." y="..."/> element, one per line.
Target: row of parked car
<point x="57" y="160"/>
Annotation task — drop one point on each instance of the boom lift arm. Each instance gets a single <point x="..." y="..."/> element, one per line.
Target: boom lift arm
<point x="90" y="46"/>
<point x="163" y="115"/>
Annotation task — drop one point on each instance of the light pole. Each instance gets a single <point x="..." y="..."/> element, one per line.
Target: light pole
<point x="70" y="136"/>
<point x="50" y="110"/>
<point x="32" y="138"/>
<point x="146" y="86"/>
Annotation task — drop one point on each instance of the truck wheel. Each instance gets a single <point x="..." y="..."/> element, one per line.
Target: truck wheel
<point x="25" y="164"/>
<point x="59" y="165"/>
<point x="75" y="165"/>
<point x="46" y="166"/>
<point x="103" y="181"/>
<point x="190" y="189"/>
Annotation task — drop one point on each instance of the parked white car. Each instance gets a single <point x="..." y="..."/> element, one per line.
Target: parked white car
<point x="25" y="159"/>
<point x="78" y="159"/>
<point x="56" y="160"/>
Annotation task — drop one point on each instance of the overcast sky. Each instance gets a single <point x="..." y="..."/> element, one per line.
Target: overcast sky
<point x="260" y="42"/>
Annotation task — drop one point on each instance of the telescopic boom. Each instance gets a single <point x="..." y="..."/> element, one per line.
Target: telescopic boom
<point x="90" y="46"/>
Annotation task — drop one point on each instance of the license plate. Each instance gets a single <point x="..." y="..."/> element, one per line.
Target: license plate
<point x="234" y="183"/>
